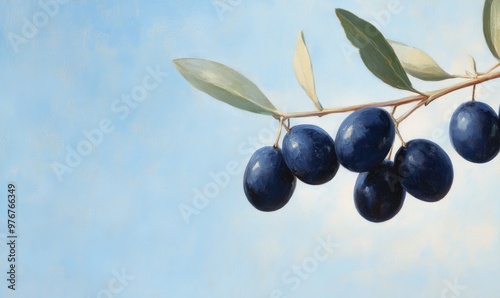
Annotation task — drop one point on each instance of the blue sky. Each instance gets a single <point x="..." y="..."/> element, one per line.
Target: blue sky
<point x="108" y="222"/>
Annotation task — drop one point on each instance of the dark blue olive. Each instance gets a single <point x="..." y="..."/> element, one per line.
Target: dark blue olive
<point x="268" y="183"/>
<point x="378" y="194"/>
<point x="309" y="153"/>
<point x="475" y="132"/>
<point x="425" y="170"/>
<point x="364" y="139"/>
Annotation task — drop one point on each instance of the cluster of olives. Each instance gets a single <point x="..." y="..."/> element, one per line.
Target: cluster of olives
<point x="420" y="167"/>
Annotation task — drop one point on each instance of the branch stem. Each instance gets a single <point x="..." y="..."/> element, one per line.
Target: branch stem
<point x="324" y="112"/>
<point x="422" y="99"/>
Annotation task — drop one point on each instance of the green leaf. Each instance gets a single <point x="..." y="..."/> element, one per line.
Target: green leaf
<point x="225" y="84"/>
<point x="375" y="51"/>
<point x="304" y="71"/>
<point x="491" y="26"/>
<point x="418" y="64"/>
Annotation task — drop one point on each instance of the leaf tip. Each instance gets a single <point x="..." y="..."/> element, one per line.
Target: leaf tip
<point x="178" y="63"/>
<point x="342" y="13"/>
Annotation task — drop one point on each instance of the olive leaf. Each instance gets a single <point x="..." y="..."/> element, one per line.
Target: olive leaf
<point x="491" y="26"/>
<point x="418" y="63"/>
<point x="473" y="63"/>
<point x="304" y="71"/>
<point x="225" y="84"/>
<point x="376" y="53"/>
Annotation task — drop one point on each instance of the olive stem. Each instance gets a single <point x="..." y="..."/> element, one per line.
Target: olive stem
<point x="403" y="143"/>
<point x="394" y="120"/>
<point x="276" y="142"/>
<point x="422" y="99"/>
<point x="493" y="67"/>
<point x="324" y="112"/>
<point x="480" y="79"/>
<point x="287" y="126"/>
<point x="409" y="112"/>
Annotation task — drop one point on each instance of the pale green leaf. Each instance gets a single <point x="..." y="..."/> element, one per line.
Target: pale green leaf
<point x="225" y="84"/>
<point x="473" y="63"/>
<point x="304" y="71"/>
<point x="491" y="26"/>
<point x="378" y="56"/>
<point x="419" y="64"/>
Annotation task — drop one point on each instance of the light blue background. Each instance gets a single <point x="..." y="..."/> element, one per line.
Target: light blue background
<point x="118" y="210"/>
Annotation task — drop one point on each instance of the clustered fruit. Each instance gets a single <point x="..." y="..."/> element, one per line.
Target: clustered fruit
<point x="363" y="141"/>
